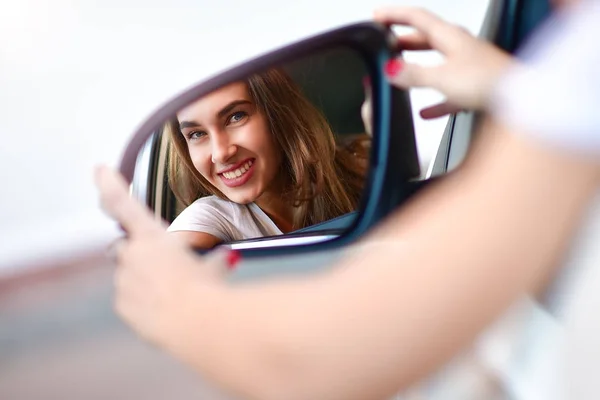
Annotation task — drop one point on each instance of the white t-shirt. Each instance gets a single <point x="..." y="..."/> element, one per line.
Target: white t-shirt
<point x="225" y="220"/>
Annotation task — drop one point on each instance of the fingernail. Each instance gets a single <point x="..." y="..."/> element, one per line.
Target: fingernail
<point x="393" y="67"/>
<point x="366" y="81"/>
<point x="233" y="257"/>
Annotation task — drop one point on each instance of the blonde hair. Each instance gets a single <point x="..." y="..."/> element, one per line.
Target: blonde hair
<point x="323" y="180"/>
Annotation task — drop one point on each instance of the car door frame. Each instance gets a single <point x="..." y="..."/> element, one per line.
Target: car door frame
<point x="507" y="24"/>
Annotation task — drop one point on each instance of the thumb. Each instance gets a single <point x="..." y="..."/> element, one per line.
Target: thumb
<point x="116" y="201"/>
<point x="439" y="110"/>
<point x="221" y="261"/>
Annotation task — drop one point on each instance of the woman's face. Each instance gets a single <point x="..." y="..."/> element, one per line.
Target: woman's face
<point x="230" y="143"/>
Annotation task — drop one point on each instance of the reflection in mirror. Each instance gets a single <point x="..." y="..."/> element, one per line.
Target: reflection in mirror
<point x="283" y="152"/>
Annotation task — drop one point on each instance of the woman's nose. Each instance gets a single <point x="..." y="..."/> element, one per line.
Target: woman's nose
<point x="222" y="149"/>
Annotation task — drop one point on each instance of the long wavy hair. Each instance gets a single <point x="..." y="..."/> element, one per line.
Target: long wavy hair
<point x="323" y="180"/>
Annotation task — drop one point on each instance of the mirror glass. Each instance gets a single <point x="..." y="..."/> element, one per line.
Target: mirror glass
<point x="278" y="158"/>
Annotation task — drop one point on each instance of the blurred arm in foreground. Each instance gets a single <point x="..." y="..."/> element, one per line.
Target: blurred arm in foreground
<point x="422" y="286"/>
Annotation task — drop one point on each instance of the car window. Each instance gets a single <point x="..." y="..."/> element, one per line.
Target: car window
<point x="469" y="14"/>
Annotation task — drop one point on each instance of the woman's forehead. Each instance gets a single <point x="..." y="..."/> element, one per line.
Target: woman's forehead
<point x="210" y="104"/>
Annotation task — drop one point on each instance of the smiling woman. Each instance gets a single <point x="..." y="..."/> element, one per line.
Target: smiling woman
<point x="256" y="158"/>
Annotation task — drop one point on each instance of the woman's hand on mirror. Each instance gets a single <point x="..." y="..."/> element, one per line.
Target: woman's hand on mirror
<point x="156" y="271"/>
<point x="467" y="75"/>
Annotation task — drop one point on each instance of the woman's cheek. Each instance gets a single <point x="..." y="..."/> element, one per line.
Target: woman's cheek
<point x="201" y="160"/>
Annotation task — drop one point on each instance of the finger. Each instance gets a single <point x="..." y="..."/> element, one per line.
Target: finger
<point x="221" y="260"/>
<point x="128" y="308"/>
<point x="116" y="201"/>
<point x="142" y="321"/>
<point x="132" y="285"/>
<point x="441" y="35"/>
<point x="406" y="75"/>
<point x="119" y="281"/>
<point x="115" y="249"/>
<point x="413" y="41"/>
<point x="439" y="110"/>
<point x="132" y="282"/>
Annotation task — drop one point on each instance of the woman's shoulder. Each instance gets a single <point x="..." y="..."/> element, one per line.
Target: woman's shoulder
<point x="214" y="208"/>
<point x="213" y="202"/>
<point x="209" y="214"/>
<point x="209" y="208"/>
<point x="224" y="219"/>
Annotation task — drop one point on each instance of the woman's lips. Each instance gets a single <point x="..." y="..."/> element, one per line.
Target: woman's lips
<point x="246" y="170"/>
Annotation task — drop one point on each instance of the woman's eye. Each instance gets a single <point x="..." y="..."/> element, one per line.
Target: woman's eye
<point x="195" y="135"/>
<point x="237" y="117"/>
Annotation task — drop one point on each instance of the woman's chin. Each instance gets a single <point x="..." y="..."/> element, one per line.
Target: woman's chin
<point x="240" y="198"/>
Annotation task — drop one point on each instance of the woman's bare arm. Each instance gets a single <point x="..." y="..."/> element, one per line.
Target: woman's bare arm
<point x="422" y="287"/>
<point x="198" y="240"/>
<point x="426" y="282"/>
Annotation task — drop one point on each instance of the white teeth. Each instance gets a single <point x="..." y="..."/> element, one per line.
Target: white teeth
<point x="238" y="172"/>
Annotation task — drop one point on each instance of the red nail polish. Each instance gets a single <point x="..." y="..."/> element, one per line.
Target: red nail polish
<point x="393" y="67"/>
<point x="233" y="257"/>
<point x="366" y="81"/>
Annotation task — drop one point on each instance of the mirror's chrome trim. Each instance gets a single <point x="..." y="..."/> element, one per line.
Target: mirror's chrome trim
<point x="141" y="176"/>
<point x="161" y="176"/>
<point x="277" y="242"/>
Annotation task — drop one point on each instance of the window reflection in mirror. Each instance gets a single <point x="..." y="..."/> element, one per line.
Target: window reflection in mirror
<point x="275" y="154"/>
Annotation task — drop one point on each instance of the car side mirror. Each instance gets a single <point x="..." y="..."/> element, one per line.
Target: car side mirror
<point x="300" y="149"/>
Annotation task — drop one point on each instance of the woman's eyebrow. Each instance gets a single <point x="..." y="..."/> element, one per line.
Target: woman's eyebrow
<point x="225" y="110"/>
<point x="188" y="124"/>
